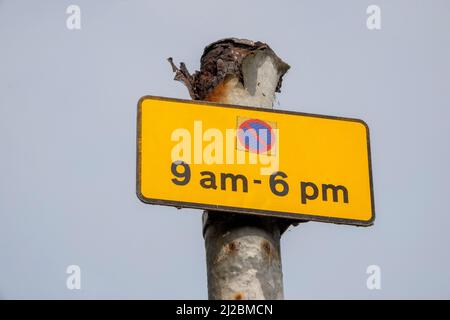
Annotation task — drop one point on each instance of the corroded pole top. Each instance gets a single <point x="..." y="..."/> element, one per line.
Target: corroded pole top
<point x="224" y="60"/>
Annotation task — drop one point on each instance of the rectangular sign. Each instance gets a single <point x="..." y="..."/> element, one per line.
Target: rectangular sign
<point x="256" y="161"/>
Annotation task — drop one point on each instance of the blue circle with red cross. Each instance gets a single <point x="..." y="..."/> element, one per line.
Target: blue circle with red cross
<point x="256" y="136"/>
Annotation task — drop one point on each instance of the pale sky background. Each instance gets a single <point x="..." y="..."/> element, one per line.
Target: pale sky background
<point x="68" y="129"/>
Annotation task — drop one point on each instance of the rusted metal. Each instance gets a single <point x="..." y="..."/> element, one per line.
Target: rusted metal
<point x="222" y="59"/>
<point x="239" y="296"/>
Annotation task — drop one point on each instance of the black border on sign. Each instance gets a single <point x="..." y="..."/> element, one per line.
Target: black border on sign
<point x="280" y="214"/>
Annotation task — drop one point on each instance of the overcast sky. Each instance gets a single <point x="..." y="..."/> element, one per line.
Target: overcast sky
<point x="68" y="128"/>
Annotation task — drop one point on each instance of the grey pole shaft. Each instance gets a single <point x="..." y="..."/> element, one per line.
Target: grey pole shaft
<point x="242" y="256"/>
<point x="242" y="251"/>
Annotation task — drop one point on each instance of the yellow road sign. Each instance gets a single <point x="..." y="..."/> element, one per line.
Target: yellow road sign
<point x="256" y="161"/>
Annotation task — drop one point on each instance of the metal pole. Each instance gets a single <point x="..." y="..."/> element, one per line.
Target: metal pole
<point x="242" y="251"/>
